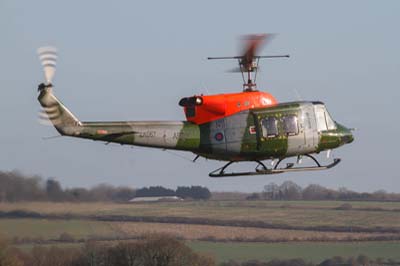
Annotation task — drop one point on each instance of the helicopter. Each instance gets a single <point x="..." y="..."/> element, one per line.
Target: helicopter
<point x="248" y="126"/>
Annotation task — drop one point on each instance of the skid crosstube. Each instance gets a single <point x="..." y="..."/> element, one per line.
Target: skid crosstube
<point x="289" y="168"/>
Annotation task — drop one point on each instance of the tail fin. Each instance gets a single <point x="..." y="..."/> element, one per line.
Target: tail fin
<point x="62" y="119"/>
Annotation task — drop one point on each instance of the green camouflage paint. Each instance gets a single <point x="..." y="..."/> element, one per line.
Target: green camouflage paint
<point x="189" y="137"/>
<point x="241" y="133"/>
<point x="332" y="139"/>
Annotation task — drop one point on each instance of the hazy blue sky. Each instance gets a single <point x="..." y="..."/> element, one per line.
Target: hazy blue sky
<point x="133" y="60"/>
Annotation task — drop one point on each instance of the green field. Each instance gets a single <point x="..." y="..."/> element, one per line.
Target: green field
<point x="51" y="229"/>
<point x="293" y="213"/>
<point x="315" y="252"/>
<point x="368" y="215"/>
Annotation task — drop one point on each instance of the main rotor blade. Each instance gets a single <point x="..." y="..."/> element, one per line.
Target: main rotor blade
<point x="252" y="44"/>
<point x="272" y="56"/>
<point x="224" y="57"/>
<point x="257" y="56"/>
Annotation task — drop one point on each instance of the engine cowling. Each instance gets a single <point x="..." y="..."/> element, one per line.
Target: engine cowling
<point x="201" y="109"/>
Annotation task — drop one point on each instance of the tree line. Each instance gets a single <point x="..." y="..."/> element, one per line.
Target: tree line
<point x="15" y="186"/>
<point x="152" y="250"/>
<point x="193" y="192"/>
<point x="289" y="190"/>
<point x="155" y="250"/>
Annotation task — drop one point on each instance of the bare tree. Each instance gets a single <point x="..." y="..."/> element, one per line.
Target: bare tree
<point x="290" y="190"/>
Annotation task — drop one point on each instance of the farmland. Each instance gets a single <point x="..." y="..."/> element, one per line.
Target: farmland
<point x="291" y="213"/>
<point x="314" y="251"/>
<point x="43" y="230"/>
<point x="225" y="229"/>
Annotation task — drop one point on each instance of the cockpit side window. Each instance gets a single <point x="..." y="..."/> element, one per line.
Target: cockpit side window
<point x="320" y="116"/>
<point x="290" y="125"/>
<point x="329" y="121"/>
<point x="269" y="126"/>
<point x="324" y="120"/>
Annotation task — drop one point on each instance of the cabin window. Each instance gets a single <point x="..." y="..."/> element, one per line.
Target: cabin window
<point x="269" y="127"/>
<point x="290" y="125"/>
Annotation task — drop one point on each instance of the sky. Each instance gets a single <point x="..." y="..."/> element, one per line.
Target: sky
<point x="134" y="60"/>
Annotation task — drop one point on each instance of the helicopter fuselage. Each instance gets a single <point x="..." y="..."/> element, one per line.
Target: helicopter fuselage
<point x="279" y="131"/>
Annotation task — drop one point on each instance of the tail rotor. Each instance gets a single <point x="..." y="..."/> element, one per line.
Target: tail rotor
<point x="48" y="58"/>
<point x="53" y="111"/>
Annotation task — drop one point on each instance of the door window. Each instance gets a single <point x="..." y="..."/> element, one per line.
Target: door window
<point x="290" y="125"/>
<point x="269" y="126"/>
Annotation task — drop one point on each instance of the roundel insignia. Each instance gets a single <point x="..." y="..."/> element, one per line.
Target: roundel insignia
<point x="219" y="136"/>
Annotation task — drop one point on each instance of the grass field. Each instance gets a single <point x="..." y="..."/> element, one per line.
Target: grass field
<point x="51" y="229"/>
<point x="296" y="213"/>
<point x="196" y="232"/>
<point x="315" y="252"/>
<point x="302" y="243"/>
<point x="83" y="229"/>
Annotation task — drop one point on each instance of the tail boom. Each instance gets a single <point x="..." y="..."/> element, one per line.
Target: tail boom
<point x="157" y="134"/>
<point x="176" y="135"/>
<point x="59" y="115"/>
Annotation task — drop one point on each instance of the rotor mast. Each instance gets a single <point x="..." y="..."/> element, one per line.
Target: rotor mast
<point x="249" y="61"/>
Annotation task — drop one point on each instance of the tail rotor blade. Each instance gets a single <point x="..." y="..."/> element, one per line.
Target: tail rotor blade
<point x="44" y="122"/>
<point x="48" y="58"/>
<point x="43" y="118"/>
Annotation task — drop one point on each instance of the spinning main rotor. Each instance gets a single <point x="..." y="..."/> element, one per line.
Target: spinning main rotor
<point x="249" y="61"/>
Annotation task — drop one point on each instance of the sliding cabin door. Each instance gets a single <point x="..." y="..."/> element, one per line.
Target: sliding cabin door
<point x="288" y="132"/>
<point x="271" y="140"/>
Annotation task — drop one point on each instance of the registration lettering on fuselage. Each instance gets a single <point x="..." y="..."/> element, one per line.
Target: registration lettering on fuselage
<point x="147" y="134"/>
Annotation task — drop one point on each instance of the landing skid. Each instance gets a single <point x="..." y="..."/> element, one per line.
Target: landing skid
<point x="261" y="169"/>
